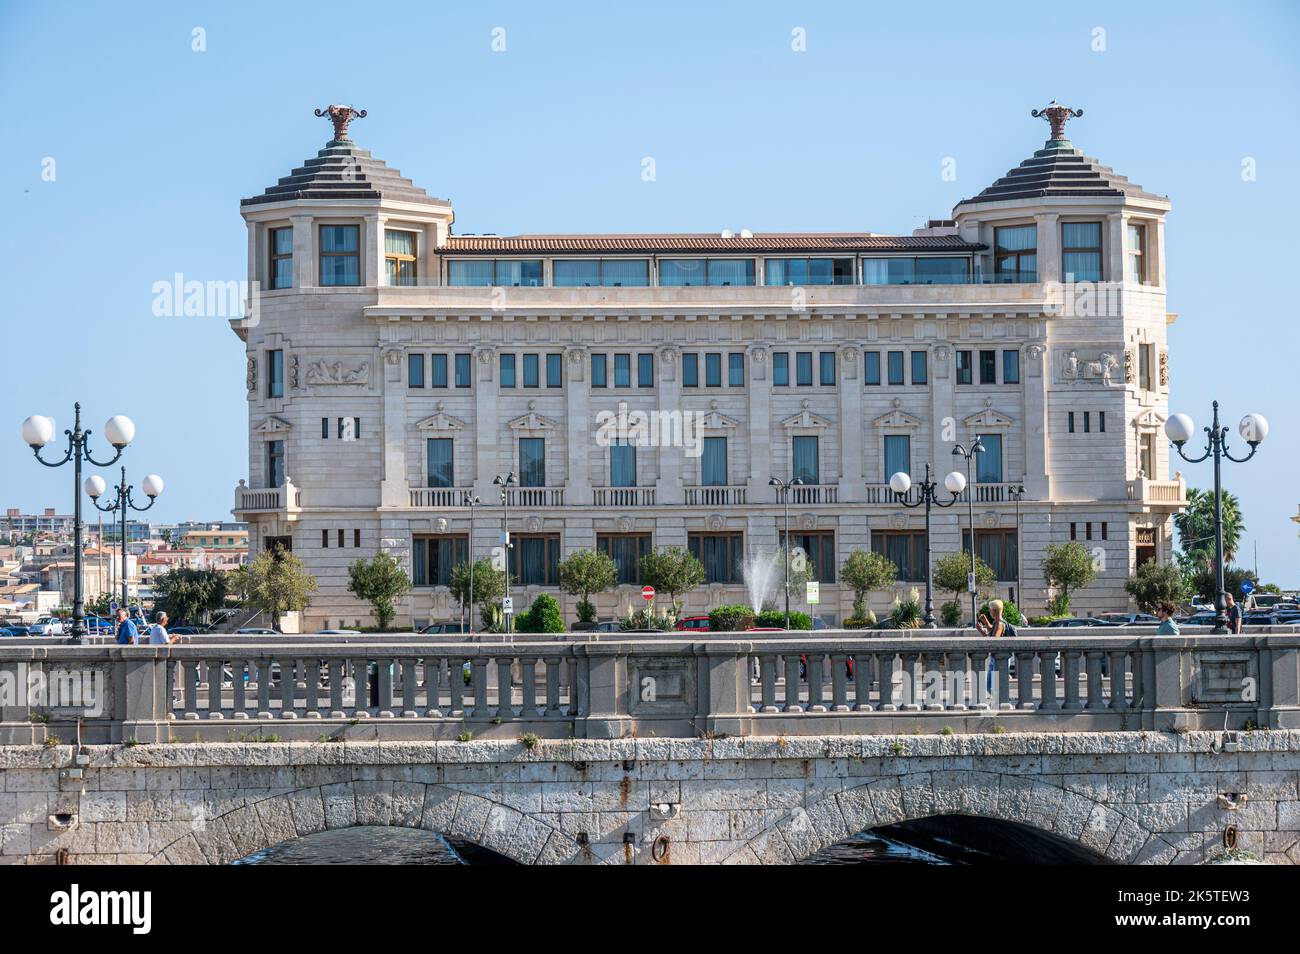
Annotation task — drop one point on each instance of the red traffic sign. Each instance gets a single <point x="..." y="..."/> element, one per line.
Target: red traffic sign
<point x="647" y="592"/>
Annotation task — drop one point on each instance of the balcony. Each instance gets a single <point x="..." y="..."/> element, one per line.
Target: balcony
<point x="715" y="496"/>
<point x="623" y="496"/>
<point x="441" y="498"/>
<point x="1169" y="492"/>
<point x="814" y="494"/>
<point x="283" y="499"/>
<point x="535" y="497"/>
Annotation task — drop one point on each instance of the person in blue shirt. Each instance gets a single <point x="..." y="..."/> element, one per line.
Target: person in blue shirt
<point x="126" y="631"/>
<point x="1165" y="612"/>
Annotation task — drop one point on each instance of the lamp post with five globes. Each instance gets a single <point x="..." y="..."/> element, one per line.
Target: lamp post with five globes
<point x="95" y="487"/>
<point x="505" y="482"/>
<point x="969" y="454"/>
<point x="900" y="484"/>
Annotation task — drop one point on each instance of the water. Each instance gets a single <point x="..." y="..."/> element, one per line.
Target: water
<point x="366" y="845"/>
<point x="867" y="848"/>
<point x="760" y="573"/>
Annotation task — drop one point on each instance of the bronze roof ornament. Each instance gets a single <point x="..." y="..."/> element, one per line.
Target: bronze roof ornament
<point x="340" y="116"/>
<point x="1058" y="116"/>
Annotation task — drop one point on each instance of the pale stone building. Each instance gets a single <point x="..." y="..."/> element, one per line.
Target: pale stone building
<point x="395" y="367"/>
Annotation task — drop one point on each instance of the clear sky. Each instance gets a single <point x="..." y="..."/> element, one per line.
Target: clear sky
<point x="154" y="143"/>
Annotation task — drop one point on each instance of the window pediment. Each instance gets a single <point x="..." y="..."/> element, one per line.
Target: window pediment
<point x="532" y="421"/>
<point x="897" y="419"/>
<point x="805" y="420"/>
<point x="989" y="417"/>
<point x="440" y="421"/>
<point x="1149" y="420"/>
<point x="273" y="426"/>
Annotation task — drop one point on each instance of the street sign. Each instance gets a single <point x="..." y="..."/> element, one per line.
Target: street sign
<point x="970" y="582"/>
<point x="1247" y="587"/>
<point x="814" y="591"/>
<point x="647" y="592"/>
<point x="508" y="605"/>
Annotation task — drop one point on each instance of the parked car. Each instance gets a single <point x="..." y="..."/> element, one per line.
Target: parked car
<point x="693" y="623"/>
<point x="1197" y="619"/>
<point x="608" y="626"/>
<point x="47" y="626"/>
<point x="16" y="629"/>
<point x="339" y="632"/>
<point x="445" y="629"/>
<point x="183" y="630"/>
<point x="1261" y="619"/>
<point x="255" y="631"/>
<point x="1128" y="619"/>
<point x="1079" y="621"/>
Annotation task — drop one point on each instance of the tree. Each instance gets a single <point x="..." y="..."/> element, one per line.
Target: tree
<point x="277" y="582"/>
<point x="489" y="585"/>
<point x="952" y="569"/>
<point x="379" y="581"/>
<point x="672" y="570"/>
<point x="101" y="605"/>
<point x="1067" y="566"/>
<point x="585" y="572"/>
<point x="1202" y="581"/>
<point x="865" y="571"/>
<point x="1195" y="526"/>
<point x="186" y="593"/>
<point x="1155" y="583"/>
<point x="543" y="616"/>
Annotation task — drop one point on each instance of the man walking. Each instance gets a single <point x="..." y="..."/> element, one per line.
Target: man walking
<point x="126" y="631"/>
<point x="158" y="635"/>
<point x="1233" y="612"/>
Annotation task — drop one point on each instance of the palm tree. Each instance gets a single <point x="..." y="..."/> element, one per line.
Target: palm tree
<point x="1195" y="525"/>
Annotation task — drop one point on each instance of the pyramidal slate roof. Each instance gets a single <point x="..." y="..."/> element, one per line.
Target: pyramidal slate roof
<point x="1056" y="170"/>
<point x="342" y="170"/>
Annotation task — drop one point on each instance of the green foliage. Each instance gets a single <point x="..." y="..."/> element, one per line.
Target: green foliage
<point x="1202" y="581"/>
<point x="489" y="586"/>
<point x="1195" y="526"/>
<point x="907" y="612"/>
<point x="950" y="613"/>
<point x="647" y="618"/>
<point x="1058" y="607"/>
<point x="1268" y="588"/>
<point x="863" y="572"/>
<point x="1010" y="612"/>
<point x="277" y="582"/>
<point x="186" y="593"/>
<point x="543" y="616"/>
<point x="1044" y="620"/>
<point x="672" y="571"/>
<point x="585" y="572"/>
<point x="951" y="570"/>
<point x="776" y="618"/>
<point x="861" y="622"/>
<point x="101" y="605"/>
<point x="379" y="581"/>
<point x="731" y="619"/>
<point x="1067" y="566"/>
<point x="1154" y="583"/>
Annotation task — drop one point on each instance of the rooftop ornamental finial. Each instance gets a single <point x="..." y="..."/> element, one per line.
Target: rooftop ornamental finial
<point x="340" y="116"/>
<point x="1058" y="116"/>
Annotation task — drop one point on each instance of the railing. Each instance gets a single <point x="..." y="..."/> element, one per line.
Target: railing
<point x="1157" y="491"/>
<point x="623" y="496"/>
<point x="442" y="498"/>
<point x="284" y="497"/>
<point x="814" y="494"/>
<point x="535" y="497"/>
<point x="715" y="496"/>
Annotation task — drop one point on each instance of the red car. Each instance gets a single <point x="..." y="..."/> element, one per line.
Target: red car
<point x="693" y="623"/>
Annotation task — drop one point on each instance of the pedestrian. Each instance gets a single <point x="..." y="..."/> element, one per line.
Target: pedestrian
<point x="158" y="635"/>
<point x="126" y="631"/>
<point x="1165" y="613"/>
<point x="995" y="628"/>
<point x="1233" y="612"/>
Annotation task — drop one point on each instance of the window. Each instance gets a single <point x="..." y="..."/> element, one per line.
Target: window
<point x="340" y="257"/>
<point x="535" y="559"/>
<point x="826" y="369"/>
<point x="1074" y="533"/>
<point x="898" y="455"/>
<point x="532" y="462"/>
<point x="988" y="367"/>
<point x="1145" y="354"/>
<point x="1087" y="422"/>
<point x="437" y="370"/>
<point x="1135" y="255"/>
<point x="808" y="271"/>
<point x="645" y="370"/>
<point x="622" y="370"/>
<point x="325" y="539"/>
<point x="997" y="548"/>
<point x="340" y="538"/>
<point x="988" y="465"/>
<point x="819" y="550"/>
<point x="399" y="257"/>
<point x="915" y="271"/>
<point x="706" y="271"/>
<point x="592" y="272"/>
<point x="483" y="272"/>
<point x="434" y="557"/>
<point x="622" y="465"/>
<point x="963" y="367"/>
<point x="349" y="428"/>
<point x="555" y="370"/>
<point x="1101" y="421"/>
<point x="871" y="367"/>
<point x="464" y="370"/>
<point x="807" y="467"/>
<point x="507" y="370"/>
<point x="324" y="428"/>
<point x="598" y="371"/>
<point x="415" y="370"/>
<point x="356" y="538"/>
<point x="896" y="367"/>
<point x="531" y="364"/>
<point x="275" y="374"/>
<point x="626" y="550"/>
<point x="1010" y="367"/>
<point x="1069" y="418"/>
<point x="803" y="368"/>
<point x="1015" y="254"/>
<point x="281" y="271"/>
<point x="736" y="369"/>
<point x="919" y="367"/>
<point x="690" y="371"/>
<point x="274" y="463"/>
<point x="438" y="454"/>
<point x="1087" y="531"/>
<point x="720" y="553"/>
<point x="1081" y="251"/>
<point x="905" y="549"/>
<point x="713" y="370"/>
<point x="713" y="462"/>
<point x="1147" y="456"/>
<point x="780" y="369"/>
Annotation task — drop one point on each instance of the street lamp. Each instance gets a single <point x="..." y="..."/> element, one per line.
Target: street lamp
<point x="1253" y="429"/>
<point x="504" y="481"/>
<point x="900" y="484"/>
<point x="968" y="453"/>
<point x="94" y="487"/>
<point x="470" y="500"/>
<point x="1017" y="494"/>
<point x="39" y="431"/>
<point x="783" y="488"/>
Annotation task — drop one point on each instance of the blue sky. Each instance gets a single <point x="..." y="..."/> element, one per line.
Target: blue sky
<point x="155" y="143"/>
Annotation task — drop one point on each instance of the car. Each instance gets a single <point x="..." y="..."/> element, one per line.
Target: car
<point x="693" y="623"/>
<point x="46" y="626"/>
<point x="16" y="629"/>
<point x="1261" y="619"/>
<point x="1128" y="619"/>
<point x="1079" y="621"/>
<point x="181" y="630"/>
<point x="255" y="631"/>
<point x="608" y="626"/>
<point x="1197" y="619"/>
<point x="446" y="629"/>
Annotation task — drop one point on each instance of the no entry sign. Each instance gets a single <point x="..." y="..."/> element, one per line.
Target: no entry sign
<point x="647" y="592"/>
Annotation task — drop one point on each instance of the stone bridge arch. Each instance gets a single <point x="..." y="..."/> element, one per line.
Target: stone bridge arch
<point x="1075" y="815"/>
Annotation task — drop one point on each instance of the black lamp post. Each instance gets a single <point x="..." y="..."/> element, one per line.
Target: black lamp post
<point x="1253" y="429"/>
<point x="470" y="500"/>
<point x="37" y="432"/>
<point x="504" y="481"/>
<point x="1017" y="493"/>
<point x="783" y="488"/>
<point x="122" y="502"/>
<point x="927" y="489"/>
<point x="968" y="453"/>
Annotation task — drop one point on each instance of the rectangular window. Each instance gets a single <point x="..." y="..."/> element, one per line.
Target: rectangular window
<point x="898" y="455"/>
<point x="997" y="548"/>
<point x="518" y="274"/>
<point x="622" y="370"/>
<point x="399" y="256"/>
<point x="1074" y="532"/>
<point x="915" y="271"/>
<point x="1087" y="422"/>
<point x="1010" y="366"/>
<point x="731" y="271"/>
<point x="626" y="550"/>
<point x="507" y="370"/>
<point x="1081" y="251"/>
<point x="325" y="428"/>
<point x="736" y="369"/>
<point x="896" y="367"/>
<point x="721" y="554"/>
<point x="871" y="367"/>
<point x="682" y="271"/>
<point x="826" y="369"/>
<point x="1135" y="257"/>
<point x="325" y="539"/>
<point x="1147" y="456"/>
<point x="437" y="370"/>
<point x="340" y="256"/>
<point x="275" y="374"/>
<point x="806" y="453"/>
<point x="281" y="271"/>
<point x="1103" y="531"/>
<point x="1101" y="421"/>
<point x="700" y="271"/>
<point x="780" y="369"/>
<point x="349" y="428"/>
<point x="470" y="273"/>
<point x="531" y="364"/>
<point x="988" y="367"/>
<point x="464" y="370"/>
<point x="919" y="367"/>
<point x="438" y="452"/>
<point x="988" y="465"/>
<point x="803" y="368"/>
<point x="575" y="273"/>
<point x="1145" y="354"/>
<point x="356" y="538"/>
<point x="906" y="550"/>
<point x="963" y="367"/>
<point x="713" y="462"/>
<point x="598" y="371"/>
<point x="609" y="272"/>
<point x="1069" y="422"/>
<point x="535" y="559"/>
<point x="275" y="463"/>
<point x="622" y="465"/>
<point x="808" y="271"/>
<point x="340" y="538"/>
<point x="434" y="557"/>
<point x="713" y="370"/>
<point x="415" y="370"/>
<point x="1015" y="254"/>
<point x="645" y="370"/>
<point x="532" y="462"/>
<point x="690" y="371"/>
<point x="555" y="370"/>
<point x="818" y="549"/>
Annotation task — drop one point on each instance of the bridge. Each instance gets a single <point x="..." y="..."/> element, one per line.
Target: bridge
<point x="736" y="748"/>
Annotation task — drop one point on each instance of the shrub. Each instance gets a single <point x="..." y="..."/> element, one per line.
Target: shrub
<point x="731" y="618"/>
<point x="1067" y="566"/>
<point x="543" y="616"/>
<point x="1154" y="583"/>
<point x="776" y="618"/>
<point x="950" y="612"/>
<point x="1010" y="612"/>
<point x="647" y="618"/>
<point x="865" y="571"/>
<point x="585" y="572"/>
<point x="861" y="622"/>
<point x="1043" y="620"/>
<point x="907" y="612"/>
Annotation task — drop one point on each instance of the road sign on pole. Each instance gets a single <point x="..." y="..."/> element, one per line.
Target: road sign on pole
<point x="1247" y="587"/>
<point x="814" y="591"/>
<point x="508" y="605"/>
<point x="647" y="592"/>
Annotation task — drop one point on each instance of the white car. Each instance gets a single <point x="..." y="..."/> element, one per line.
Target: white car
<point x="256" y="631"/>
<point x="46" y="626"/>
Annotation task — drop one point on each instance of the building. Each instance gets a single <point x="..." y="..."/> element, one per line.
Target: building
<point x="397" y="368"/>
<point x="18" y="525"/>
